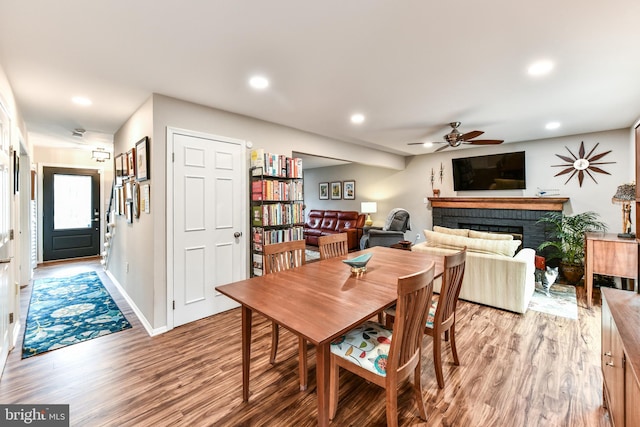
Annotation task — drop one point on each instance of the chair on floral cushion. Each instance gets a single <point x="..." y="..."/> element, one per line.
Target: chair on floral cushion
<point x="442" y="313"/>
<point x="279" y="257"/>
<point x="383" y="356"/>
<point x="333" y="245"/>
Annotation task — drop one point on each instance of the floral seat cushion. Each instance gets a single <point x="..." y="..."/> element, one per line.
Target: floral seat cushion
<point x="367" y="346"/>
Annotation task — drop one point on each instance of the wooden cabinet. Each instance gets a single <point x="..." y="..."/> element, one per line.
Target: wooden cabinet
<point x="606" y="253"/>
<point x="621" y="356"/>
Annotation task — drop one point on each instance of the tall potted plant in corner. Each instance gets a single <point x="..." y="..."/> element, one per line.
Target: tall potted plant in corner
<point x="568" y="244"/>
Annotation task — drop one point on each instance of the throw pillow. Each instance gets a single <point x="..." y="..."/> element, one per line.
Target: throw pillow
<point x="489" y="236"/>
<point x="496" y="247"/>
<point x="454" y="231"/>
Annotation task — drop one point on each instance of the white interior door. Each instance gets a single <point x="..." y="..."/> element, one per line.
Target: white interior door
<point x="209" y="247"/>
<point x="5" y="242"/>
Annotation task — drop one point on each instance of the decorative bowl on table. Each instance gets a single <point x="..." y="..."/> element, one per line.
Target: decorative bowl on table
<point x="358" y="264"/>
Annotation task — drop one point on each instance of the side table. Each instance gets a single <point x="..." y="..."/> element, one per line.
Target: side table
<point x="608" y="254"/>
<point x="402" y="244"/>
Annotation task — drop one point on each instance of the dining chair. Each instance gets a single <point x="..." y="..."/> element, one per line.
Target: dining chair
<point x="279" y="257"/>
<point x="333" y="245"/>
<point x="442" y="313"/>
<point x="383" y="356"/>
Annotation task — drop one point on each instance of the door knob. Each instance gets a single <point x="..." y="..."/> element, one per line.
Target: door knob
<point x="237" y="234"/>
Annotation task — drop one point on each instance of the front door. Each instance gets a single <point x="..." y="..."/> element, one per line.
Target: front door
<point x="208" y="206"/>
<point x="71" y="206"/>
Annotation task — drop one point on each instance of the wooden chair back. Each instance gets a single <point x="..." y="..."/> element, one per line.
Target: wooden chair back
<point x="283" y="256"/>
<point x="454" y="266"/>
<point x="414" y="298"/>
<point x="333" y="245"/>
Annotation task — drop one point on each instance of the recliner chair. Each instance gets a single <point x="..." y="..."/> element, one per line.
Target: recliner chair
<point x="392" y="232"/>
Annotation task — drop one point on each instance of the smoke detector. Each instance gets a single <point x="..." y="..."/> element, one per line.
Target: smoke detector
<point x="78" y="132"/>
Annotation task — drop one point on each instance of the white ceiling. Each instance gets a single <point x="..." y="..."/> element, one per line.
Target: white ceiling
<point x="411" y="66"/>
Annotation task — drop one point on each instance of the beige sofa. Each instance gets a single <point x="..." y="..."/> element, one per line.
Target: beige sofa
<point x="494" y="274"/>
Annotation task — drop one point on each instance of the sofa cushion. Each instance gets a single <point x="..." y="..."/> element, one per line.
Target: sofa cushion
<point x="448" y="241"/>
<point x="455" y="231"/>
<point x="489" y="236"/>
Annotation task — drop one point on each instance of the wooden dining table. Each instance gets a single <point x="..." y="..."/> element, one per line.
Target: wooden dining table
<point x="320" y="301"/>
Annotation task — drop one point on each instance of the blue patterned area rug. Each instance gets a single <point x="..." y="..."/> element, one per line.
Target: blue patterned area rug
<point x="561" y="301"/>
<point x="68" y="310"/>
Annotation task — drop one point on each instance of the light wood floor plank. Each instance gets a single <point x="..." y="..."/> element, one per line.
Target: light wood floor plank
<point x="531" y="370"/>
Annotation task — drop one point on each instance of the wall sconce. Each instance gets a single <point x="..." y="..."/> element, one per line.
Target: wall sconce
<point x="100" y="155"/>
<point x="624" y="195"/>
<point x="368" y="208"/>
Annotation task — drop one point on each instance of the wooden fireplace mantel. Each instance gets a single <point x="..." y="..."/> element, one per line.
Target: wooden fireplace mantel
<point x="522" y="203"/>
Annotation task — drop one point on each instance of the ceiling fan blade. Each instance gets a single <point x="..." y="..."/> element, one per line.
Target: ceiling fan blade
<point x="442" y="148"/>
<point x="485" y="141"/>
<point x="470" y="135"/>
<point x="415" y="143"/>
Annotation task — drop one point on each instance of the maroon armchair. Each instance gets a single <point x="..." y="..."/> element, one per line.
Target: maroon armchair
<point x="322" y="223"/>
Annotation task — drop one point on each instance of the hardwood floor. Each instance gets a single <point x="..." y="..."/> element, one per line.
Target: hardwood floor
<point x="531" y="370"/>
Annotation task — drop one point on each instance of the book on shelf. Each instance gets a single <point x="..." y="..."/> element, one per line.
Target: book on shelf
<point x="276" y="165"/>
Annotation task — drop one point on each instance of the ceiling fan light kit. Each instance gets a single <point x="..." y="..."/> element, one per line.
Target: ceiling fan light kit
<point x="455" y="138"/>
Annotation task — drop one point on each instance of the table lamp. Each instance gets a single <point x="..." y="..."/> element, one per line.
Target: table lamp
<point x="624" y="195"/>
<point x="368" y="208"/>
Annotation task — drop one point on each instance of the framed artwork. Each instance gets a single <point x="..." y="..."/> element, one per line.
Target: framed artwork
<point x="16" y="172"/>
<point x="142" y="152"/>
<point x="349" y="190"/>
<point x="324" y="191"/>
<point x="130" y="212"/>
<point x="131" y="162"/>
<point x="119" y="169"/>
<point x="336" y="190"/>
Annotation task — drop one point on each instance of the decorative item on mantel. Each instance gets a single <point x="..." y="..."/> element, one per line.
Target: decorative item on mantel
<point x="624" y="195"/>
<point x="368" y="208"/>
<point x="441" y="172"/>
<point x="433" y="177"/>
<point x="436" y="192"/>
<point x="358" y="264"/>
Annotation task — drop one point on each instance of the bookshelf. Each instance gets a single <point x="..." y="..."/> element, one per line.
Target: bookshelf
<point x="277" y="212"/>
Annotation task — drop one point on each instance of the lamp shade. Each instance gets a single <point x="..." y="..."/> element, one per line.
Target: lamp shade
<point x="368" y="207"/>
<point x="624" y="193"/>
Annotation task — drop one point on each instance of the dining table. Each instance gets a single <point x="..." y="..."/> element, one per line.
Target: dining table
<point x="319" y="301"/>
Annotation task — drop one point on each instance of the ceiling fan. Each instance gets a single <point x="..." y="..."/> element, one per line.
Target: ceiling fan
<point x="455" y="138"/>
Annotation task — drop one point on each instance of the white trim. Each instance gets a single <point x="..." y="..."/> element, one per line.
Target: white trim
<point x="152" y="332"/>
<point x="171" y="131"/>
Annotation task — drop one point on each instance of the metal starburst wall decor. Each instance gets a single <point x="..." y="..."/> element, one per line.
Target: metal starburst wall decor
<point x="581" y="164"/>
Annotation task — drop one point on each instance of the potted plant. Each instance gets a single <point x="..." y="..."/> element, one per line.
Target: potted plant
<point x="568" y="244"/>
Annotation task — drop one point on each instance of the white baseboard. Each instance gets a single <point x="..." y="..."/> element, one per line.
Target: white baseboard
<point x="150" y="330"/>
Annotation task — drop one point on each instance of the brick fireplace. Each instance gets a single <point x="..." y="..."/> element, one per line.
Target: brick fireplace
<point x="514" y="215"/>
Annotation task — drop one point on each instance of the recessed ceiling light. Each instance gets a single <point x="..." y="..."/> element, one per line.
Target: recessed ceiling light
<point x="259" y="82"/>
<point x="427" y="144"/>
<point x="540" y="68"/>
<point x="552" y="125"/>
<point x="357" y="118"/>
<point x="81" y="100"/>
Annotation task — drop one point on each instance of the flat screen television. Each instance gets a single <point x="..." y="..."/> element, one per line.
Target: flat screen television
<point x="492" y="172"/>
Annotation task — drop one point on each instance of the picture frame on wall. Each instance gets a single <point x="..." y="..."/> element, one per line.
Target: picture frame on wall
<point x="142" y="152"/>
<point x="349" y="190"/>
<point x="131" y="162"/>
<point x="336" y="190"/>
<point x="16" y="172"/>
<point x="323" y="192"/>
<point x="120" y="171"/>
